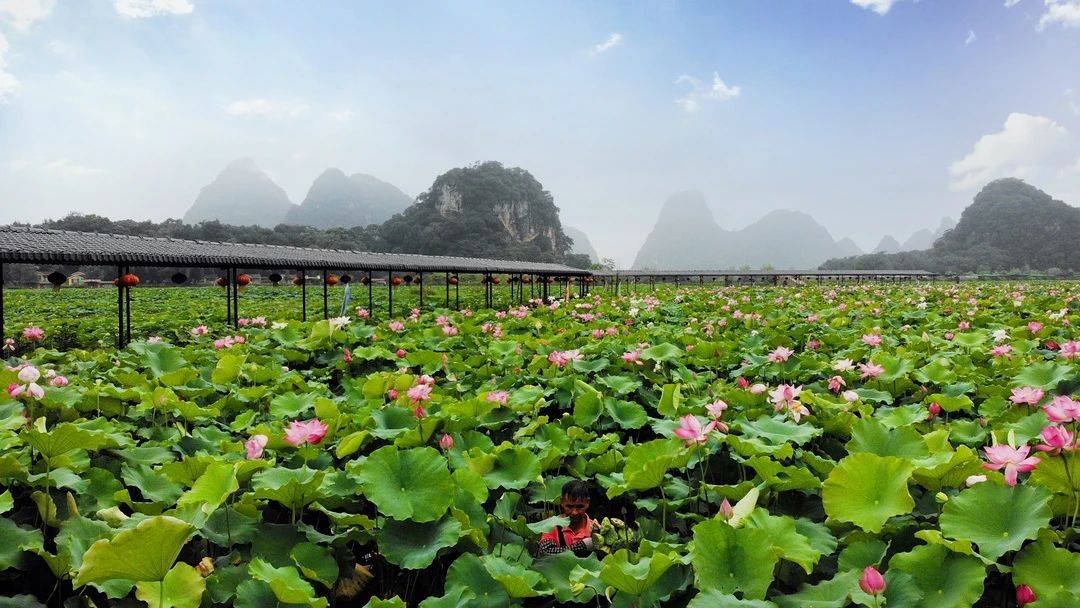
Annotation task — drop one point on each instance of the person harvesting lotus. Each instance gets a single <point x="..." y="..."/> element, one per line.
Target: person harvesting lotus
<point x="576" y="537"/>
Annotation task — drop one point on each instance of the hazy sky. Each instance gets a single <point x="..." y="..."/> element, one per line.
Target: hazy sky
<point x="875" y="116"/>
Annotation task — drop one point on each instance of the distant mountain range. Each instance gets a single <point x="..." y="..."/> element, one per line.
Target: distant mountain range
<point x="1010" y="225"/>
<point x="243" y="195"/>
<point x="921" y="239"/>
<point x="687" y="236"/>
<point x="581" y="243"/>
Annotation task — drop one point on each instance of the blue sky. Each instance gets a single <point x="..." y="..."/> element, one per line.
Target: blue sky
<point x="874" y="116"/>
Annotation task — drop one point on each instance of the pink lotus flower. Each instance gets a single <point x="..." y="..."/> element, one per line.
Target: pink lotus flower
<point x="871" y="581"/>
<point x="813" y="344"/>
<point x="949" y="336"/>
<point x="255" y="445"/>
<point x="716" y="408"/>
<point x="243" y="321"/>
<point x="418" y="393"/>
<point x="726" y="510"/>
<point x="743" y="382"/>
<point x="597" y="334"/>
<point x="28" y="375"/>
<point x="691" y="431"/>
<point x="871" y="370"/>
<point x="562" y="358"/>
<point x="396" y="326"/>
<point x="836" y="383"/>
<point x="346" y="355"/>
<point x="426" y="379"/>
<point x="872" y="339"/>
<point x="419" y="412"/>
<point x="1063" y="409"/>
<point x="1025" y="595"/>
<point x="363" y="313"/>
<point x="784" y="394"/>
<point x="934" y="410"/>
<point x="392" y="394"/>
<point x="633" y="356"/>
<point x="1027" y="394"/>
<point x="9" y="344"/>
<point x="781" y="354"/>
<point x="446" y="442"/>
<point x="449" y="330"/>
<point x="300" y="433"/>
<point x="59" y="381"/>
<point x="758" y="388"/>
<point x="1002" y="350"/>
<point x="850" y="396"/>
<point x="33" y="333"/>
<point x="1013" y="460"/>
<point x="199" y="330"/>
<point x="1035" y="327"/>
<point x="500" y="397"/>
<point x="400" y="353"/>
<point x="963" y="325"/>
<point x="1055" y="440"/>
<point x="1069" y="350"/>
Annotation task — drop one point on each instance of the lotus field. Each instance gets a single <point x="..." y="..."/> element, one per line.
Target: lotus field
<point x="895" y="446"/>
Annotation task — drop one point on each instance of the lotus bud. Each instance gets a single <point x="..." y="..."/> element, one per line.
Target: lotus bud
<point x="1025" y="595"/>
<point x="871" y="581"/>
<point x="726" y="510"/>
<point x="941" y="497"/>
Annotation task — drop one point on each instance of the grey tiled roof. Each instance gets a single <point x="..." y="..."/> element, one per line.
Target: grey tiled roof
<point x="43" y="246"/>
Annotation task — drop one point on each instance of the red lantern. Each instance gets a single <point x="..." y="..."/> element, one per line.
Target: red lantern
<point x="365" y="280"/>
<point x="453" y="280"/>
<point x="332" y="280"/>
<point x="298" y="281"/>
<point x="396" y="281"/>
<point x="495" y="280"/>
<point x="221" y="282"/>
<point x="129" y="280"/>
<point x="243" y="279"/>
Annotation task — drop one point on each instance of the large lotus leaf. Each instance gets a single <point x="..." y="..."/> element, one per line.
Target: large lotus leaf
<point x="620" y="385"/>
<point x="634" y="575"/>
<point x="662" y="352"/>
<point x="1045" y="375"/>
<point x="286" y="583"/>
<point x="996" y="518"/>
<point x="183" y="587"/>
<point x="731" y="559"/>
<point x="862" y="553"/>
<point x="895" y="367"/>
<point x="408" y="484"/>
<point x="646" y="464"/>
<point x="64" y="438"/>
<point x="6" y="502"/>
<point x="833" y="593"/>
<point x="75" y="537"/>
<point x="392" y="421"/>
<point x="228" y="368"/>
<point x="160" y="358"/>
<point x="560" y="571"/>
<point x="414" y="545"/>
<point x="291" y="405"/>
<point x="946" y="579"/>
<point x="211" y="489"/>
<point x="294" y="488"/>
<point x="513" y="469"/>
<point x="587" y="405"/>
<point x="777" y="431"/>
<point x="20" y="601"/>
<point x="394" y="602"/>
<point x="15" y="539"/>
<point x="143" y="553"/>
<point x="716" y="599"/>
<point x="468" y="574"/>
<point x="871" y="436"/>
<point x="787" y="542"/>
<point x="316" y="562"/>
<point x="866" y="490"/>
<point x="516" y="579"/>
<point x="1051" y="572"/>
<point x="626" y="414"/>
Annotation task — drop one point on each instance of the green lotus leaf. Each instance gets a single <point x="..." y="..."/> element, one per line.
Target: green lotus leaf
<point x="620" y="385"/>
<point x="833" y="593"/>
<point x="662" y="352"/>
<point x="862" y="553"/>
<point x="1045" y="375"/>
<point x="315" y="562"/>
<point x="211" y="489"/>
<point x="160" y="358"/>
<point x="946" y="579"/>
<point x="785" y="539"/>
<point x="76" y="535"/>
<point x="716" y="599"/>
<point x="777" y="431"/>
<point x="182" y="587"/>
<point x="866" y="490"/>
<point x="516" y="579"/>
<point x="513" y="469"/>
<point x="6" y="502"/>
<point x="1051" y="572"/>
<point x="143" y="553"/>
<point x="626" y="414"/>
<point x="292" y="405"/>
<point x="62" y="439"/>
<point x="634" y="575"/>
<point x="646" y="464"/>
<point x="15" y="539"/>
<point x="587" y="405"/>
<point x="286" y="583"/>
<point x="294" y="488"/>
<point x="394" y="602"/>
<point x="873" y="437"/>
<point x="996" y="518"/>
<point x="562" y="569"/>
<point x="413" y="545"/>
<point x="228" y="368"/>
<point x="467" y="574"/>
<point x="408" y="484"/>
<point x="731" y="559"/>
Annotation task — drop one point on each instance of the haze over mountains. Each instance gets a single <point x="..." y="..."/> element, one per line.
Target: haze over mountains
<point x="686" y="235"/>
<point x="243" y="195"/>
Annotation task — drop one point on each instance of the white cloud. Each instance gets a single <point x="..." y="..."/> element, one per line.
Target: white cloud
<point x="63" y="167"/>
<point x="970" y="37"/>
<point x="9" y="85"/>
<point x="614" y="40"/>
<point x="21" y="14"/>
<point x="265" y="108"/>
<point x="142" y="9"/>
<point x="1063" y="12"/>
<point x="1011" y="3"/>
<point x="1027" y="146"/>
<point x="878" y="6"/>
<point x="342" y="116"/>
<point x="700" y="93"/>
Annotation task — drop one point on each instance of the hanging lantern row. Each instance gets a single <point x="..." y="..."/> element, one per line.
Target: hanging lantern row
<point x="129" y="280"/>
<point x="454" y="280"/>
<point x="332" y="279"/>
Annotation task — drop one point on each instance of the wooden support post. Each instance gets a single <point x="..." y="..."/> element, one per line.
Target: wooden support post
<point x="447" y="280"/>
<point x="303" y="294"/>
<point x="325" y="296"/>
<point x="119" y="308"/>
<point x="420" y="283"/>
<point x="390" y="292"/>
<point x="370" y="296"/>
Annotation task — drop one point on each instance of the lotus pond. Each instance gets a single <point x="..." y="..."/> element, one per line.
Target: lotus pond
<point x="758" y="447"/>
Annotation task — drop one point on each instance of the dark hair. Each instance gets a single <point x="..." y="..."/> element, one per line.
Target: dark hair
<point x="577" y="489"/>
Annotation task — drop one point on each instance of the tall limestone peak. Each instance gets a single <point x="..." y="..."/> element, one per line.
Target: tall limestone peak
<point x="887" y="244"/>
<point x="337" y="200"/>
<point x="241" y="195"/>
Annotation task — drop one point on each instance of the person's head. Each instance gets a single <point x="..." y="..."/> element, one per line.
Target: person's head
<point x="575" y="500"/>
